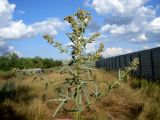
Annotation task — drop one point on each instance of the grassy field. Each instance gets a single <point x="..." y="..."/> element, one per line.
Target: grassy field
<point x="27" y="100"/>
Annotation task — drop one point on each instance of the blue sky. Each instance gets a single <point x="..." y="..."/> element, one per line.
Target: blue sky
<point x="125" y="25"/>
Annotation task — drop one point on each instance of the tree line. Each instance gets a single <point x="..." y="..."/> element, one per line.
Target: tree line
<point x="10" y="61"/>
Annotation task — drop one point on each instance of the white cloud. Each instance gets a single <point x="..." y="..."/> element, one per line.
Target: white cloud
<point x="15" y="30"/>
<point x="139" y="38"/>
<point x="157" y="45"/>
<point x="19" y="30"/>
<point x="6" y="11"/>
<point x="6" y="48"/>
<point x="10" y="29"/>
<point x="143" y="37"/>
<point x="113" y="51"/>
<point x="105" y="6"/>
<point x="113" y="29"/>
<point x="91" y="47"/>
<point x="146" y="47"/>
<point x="117" y="6"/>
<point x="11" y="49"/>
<point x="155" y="25"/>
<point x="128" y="20"/>
<point x="50" y="26"/>
<point x="117" y="30"/>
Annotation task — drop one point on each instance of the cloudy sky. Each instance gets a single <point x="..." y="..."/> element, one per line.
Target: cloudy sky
<point x="125" y="25"/>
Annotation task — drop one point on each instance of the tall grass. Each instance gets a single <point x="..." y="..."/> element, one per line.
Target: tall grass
<point x="150" y="92"/>
<point x="22" y="100"/>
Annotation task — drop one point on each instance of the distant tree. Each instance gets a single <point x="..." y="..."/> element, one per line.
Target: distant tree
<point x="12" y="60"/>
<point x="38" y="62"/>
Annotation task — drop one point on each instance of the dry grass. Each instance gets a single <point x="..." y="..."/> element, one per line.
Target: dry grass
<point x="6" y="75"/>
<point x="26" y="100"/>
<point x="150" y="93"/>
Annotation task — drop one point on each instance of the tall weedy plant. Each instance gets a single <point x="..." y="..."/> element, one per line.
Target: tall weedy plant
<point x="74" y="89"/>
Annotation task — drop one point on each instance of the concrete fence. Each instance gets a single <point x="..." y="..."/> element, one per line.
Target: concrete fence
<point x="149" y="67"/>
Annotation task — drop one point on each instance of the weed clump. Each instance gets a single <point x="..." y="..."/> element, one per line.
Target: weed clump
<point x="73" y="91"/>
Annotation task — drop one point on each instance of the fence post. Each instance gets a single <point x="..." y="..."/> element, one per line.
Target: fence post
<point x="140" y="70"/>
<point x="152" y="66"/>
<point x="119" y="62"/>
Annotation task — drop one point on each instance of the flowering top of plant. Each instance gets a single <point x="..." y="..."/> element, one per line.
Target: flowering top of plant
<point x="79" y="22"/>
